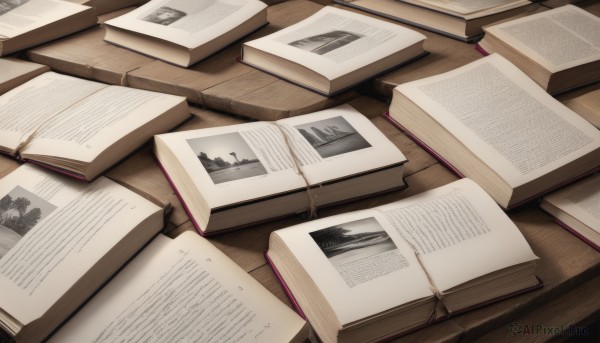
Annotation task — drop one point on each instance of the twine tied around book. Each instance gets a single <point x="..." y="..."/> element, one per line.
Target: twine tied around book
<point x="312" y="207"/>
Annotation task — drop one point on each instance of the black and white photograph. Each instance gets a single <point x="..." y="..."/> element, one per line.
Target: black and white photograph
<point x="164" y="16"/>
<point x="333" y="136"/>
<point x="9" y="5"/>
<point x="20" y="211"/>
<point x="226" y="157"/>
<point x="326" y="42"/>
<point x="360" y="250"/>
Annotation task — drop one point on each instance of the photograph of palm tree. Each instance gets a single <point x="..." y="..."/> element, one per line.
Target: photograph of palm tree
<point x="333" y="136"/>
<point x="20" y="211"/>
<point x="226" y="157"/>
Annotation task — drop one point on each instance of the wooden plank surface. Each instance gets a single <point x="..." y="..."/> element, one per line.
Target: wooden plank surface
<point x="219" y="82"/>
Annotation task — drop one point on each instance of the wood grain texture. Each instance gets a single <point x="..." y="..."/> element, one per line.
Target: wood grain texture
<point x="219" y="82"/>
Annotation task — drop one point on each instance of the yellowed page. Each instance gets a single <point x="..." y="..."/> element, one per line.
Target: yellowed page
<point x="559" y="39"/>
<point x="189" y="23"/>
<point x="333" y="41"/>
<point x="85" y="129"/>
<point x="20" y="16"/>
<point x="505" y="118"/>
<point x="182" y="290"/>
<point x="359" y="262"/>
<point x="25" y="108"/>
<point x="262" y="164"/>
<point x="458" y="232"/>
<point x="580" y="200"/>
<point x="327" y="144"/>
<point x="78" y="224"/>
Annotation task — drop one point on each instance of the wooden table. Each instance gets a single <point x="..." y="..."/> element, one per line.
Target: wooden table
<point x="568" y="267"/>
<point x="219" y="82"/>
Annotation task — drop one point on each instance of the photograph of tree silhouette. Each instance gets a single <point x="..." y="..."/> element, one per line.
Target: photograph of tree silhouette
<point x="358" y="245"/>
<point x="333" y="136"/>
<point x="226" y="157"/>
<point x="20" y="211"/>
<point x="326" y="42"/>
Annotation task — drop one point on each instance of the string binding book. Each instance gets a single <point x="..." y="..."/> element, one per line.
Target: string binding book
<point x="371" y="275"/>
<point x="60" y="240"/>
<point x="183" y="289"/>
<point x="490" y="122"/>
<point x="577" y="209"/>
<point x="183" y="32"/>
<point x="462" y="20"/>
<point x="233" y="176"/>
<point x="25" y="23"/>
<point x="558" y="49"/>
<point x="79" y="127"/>
<point x="333" y="50"/>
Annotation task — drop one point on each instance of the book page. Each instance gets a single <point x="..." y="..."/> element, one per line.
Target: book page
<point x="53" y="230"/>
<point x="359" y="262"/>
<point x="232" y="164"/>
<point x="334" y="41"/>
<point x="20" y="16"/>
<point x="182" y="290"/>
<point x="505" y="118"/>
<point x="458" y="232"/>
<point x="327" y="144"/>
<point x="581" y="200"/>
<point x="558" y="39"/>
<point x="25" y="108"/>
<point x="189" y="23"/>
<point x="85" y="129"/>
<point x="466" y="7"/>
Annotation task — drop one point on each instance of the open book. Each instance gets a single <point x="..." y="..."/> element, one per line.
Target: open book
<point x="368" y="275"/>
<point x="25" y="23"/>
<point x="461" y="19"/>
<point x="333" y="50"/>
<point x="558" y="49"/>
<point x="577" y="209"/>
<point x="236" y="175"/>
<point x="490" y="122"/>
<point x="82" y="127"/>
<point x="183" y="32"/>
<point x="60" y="240"/>
<point x="105" y="6"/>
<point x="183" y="290"/>
<point x="16" y="72"/>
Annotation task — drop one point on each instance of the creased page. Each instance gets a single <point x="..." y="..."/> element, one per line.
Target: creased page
<point x="359" y="262"/>
<point x="458" y="232"/>
<point x="505" y="118"/>
<point x="20" y="16"/>
<point x="558" y="39"/>
<point x="189" y="23"/>
<point x="52" y="230"/>
<point x="232" y="164"/>
<point x="25" y="108"/>
<point x="333" y="42"/>
<point x="328" y="143"/>
<point x="182" y="290"/>
<point x="86" y="129"/>
<point x="581" y="200"/>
